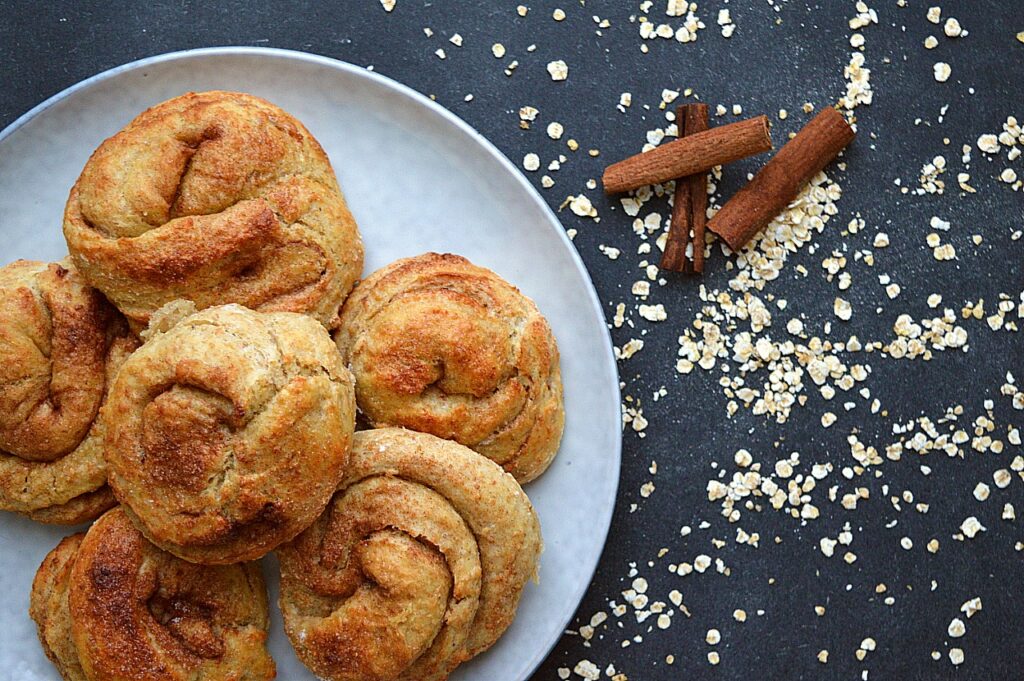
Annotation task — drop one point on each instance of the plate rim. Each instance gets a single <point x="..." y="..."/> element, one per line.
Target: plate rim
<point x="553" y="223"/>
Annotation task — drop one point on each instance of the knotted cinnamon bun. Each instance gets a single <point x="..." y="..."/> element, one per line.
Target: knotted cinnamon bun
<point x="442" y="346"/>
<point x="229" y="431"/>
<point x="60" y="345"/>
<point x="214" y="197"/>
<point x="110" y="606"/>
<point x="416" y="566"/>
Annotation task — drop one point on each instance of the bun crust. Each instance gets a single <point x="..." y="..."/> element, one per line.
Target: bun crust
<point x="215" y="197"/>
<point x="110" y="606"/>
<point x="442" y="346"/>
<point x="60" y="345"/>
<point x="48" y="607"/>
<point x="228" y="432"/>
<point x="416" y="566"/>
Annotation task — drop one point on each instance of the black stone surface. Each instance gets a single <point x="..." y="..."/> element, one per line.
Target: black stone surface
<point x="783" y="54"/>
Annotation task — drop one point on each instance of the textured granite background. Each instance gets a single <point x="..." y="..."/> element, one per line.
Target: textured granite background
<point x="783" y="53"/>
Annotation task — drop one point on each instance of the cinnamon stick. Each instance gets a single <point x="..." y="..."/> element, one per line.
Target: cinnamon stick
<point x="697" y="121"/>
<point x="781" y="179"/>
<point x="689" y="155"/>
<point x="690" y="202"/>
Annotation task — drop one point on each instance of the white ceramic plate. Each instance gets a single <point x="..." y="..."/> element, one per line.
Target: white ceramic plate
<point x="417" y="179"/>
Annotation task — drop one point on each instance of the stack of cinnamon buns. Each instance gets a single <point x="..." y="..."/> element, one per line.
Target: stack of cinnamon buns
<point x="206" y="380"/>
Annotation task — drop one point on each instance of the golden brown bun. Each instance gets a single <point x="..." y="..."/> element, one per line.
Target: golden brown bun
<point x="48" y="607"/>
<point x="416" y="566"/>
<point x="228" y="432"/>
<point x="61" y="343"/>
<point x="442" y="346"/>
<point x="110" y="606"/>
<point x="216" y="197"/>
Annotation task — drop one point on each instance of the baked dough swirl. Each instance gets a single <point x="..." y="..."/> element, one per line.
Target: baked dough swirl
<point x="215" y="197"/>
<point x="442" y="346"/>
<point x="229" y="431"/>
<point x="60" y="345"/>
<point x="48" y="607"/>
<point x="110" y="606"/>
<point x="416" y="566"/>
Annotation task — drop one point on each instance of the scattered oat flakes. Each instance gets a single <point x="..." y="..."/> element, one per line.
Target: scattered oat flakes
<point x="858" y="85"/>
<point x="558" y="70"/>
<point x="581" y="205"/>
<point x="1002" y="478"/>
<point x="988" y="143"/>
<point x="971" y="527"/>
<point x="653" y="313"/>
<point x="630" y="348"/>
<point x="971" y="607"/>
<point x="842" y="309"/>
<point x="587" y="670"/>
<point x="956" y="628"/>
<point x="725" y="21"/>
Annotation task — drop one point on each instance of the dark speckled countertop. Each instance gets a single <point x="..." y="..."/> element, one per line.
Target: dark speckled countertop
<point x="783" y="53"/>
